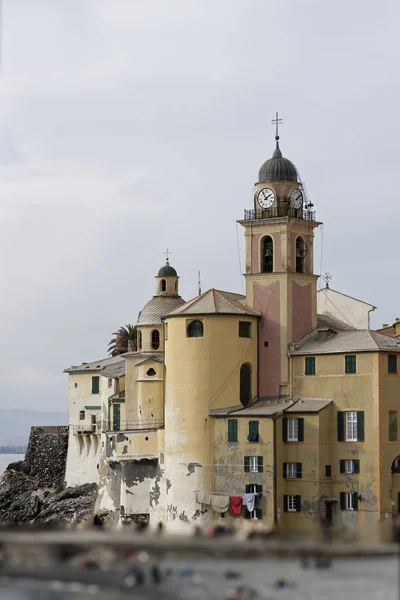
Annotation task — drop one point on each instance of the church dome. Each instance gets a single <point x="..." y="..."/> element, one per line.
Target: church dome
<point x="278" y="168"/>
<point x="167" y="271"/>
<point x="157" y="307"/>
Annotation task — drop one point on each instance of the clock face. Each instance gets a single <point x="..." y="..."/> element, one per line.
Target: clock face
<point x="266" y="198"/>
<point x="296" y="198"/>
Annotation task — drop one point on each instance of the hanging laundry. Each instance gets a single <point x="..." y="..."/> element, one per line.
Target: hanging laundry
<point x="235" y="504"/>
<point x="220" y="503"/>
<point x="249" y="501"/>
<point x="202" y="498"/>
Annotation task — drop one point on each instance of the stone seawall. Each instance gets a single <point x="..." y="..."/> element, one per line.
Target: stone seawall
<point x="46" y="455"/>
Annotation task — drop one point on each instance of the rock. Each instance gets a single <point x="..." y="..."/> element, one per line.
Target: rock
<point x="20" y="466"/>
<point x="18" y="498"/>
<point x="72" y="504"/>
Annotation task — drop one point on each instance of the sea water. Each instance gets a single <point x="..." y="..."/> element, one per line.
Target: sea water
<point x="6" y="459"/>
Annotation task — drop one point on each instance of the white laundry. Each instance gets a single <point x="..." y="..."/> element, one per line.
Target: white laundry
<point x="249" y="501"/>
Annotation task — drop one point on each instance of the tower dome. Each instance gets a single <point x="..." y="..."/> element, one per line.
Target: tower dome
<point x="167" y="271"/>
<point x="278" y="168"/>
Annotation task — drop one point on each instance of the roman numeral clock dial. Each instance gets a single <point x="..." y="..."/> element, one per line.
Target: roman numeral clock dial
<point x="266" y="198"/>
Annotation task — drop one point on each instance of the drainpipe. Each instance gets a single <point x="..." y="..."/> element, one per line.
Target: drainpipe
<point x="274" y="419"/>
<point x="165" y="371"/>
<point x="290" y="377"/>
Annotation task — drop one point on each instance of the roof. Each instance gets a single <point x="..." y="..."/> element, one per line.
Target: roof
<point x="278" y="168"/>
<point x="167" y="271"/>
<point x="215" y="302"/>
<point x="116" y="369"/>
<point x="333" y="323"/>
<point x="390" y="331"/>
<point x="157" y="307"/>
<point x="120" y="396"/>
<point x="359" y="340"/>
<point x="268" y="408"/>
<point x="95" y="366"/>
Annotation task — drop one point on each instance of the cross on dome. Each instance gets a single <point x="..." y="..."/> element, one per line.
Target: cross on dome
<point x="277" y="121"/>
<point x="168" y="252"/>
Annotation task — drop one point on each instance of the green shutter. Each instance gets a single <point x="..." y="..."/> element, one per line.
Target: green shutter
<point x="284" y="470"/>
<point x="298" y="503"/>
<point x="298" y="470"/>
<point x="247" y="489"/>
<point x="247" y="515"/>
<point x="392" y="363"/>
<point x="342" y="500"/>
<point x="284" y="430"/>
<point x="285" y="504"/>
<point x="259" y="488"/>
<point x="260" y="464"/>
<point x="258" y="513"/>
<point x="356" y="466"/>
<point x="95" y="385"/>
<point x="301" y="430"/>
<point x="360" y="426"/>
<point x="310" y="365"/>
<point x="354" y="500"/>
<point x="232" y="430"/>
<point x="392" y="425"/>
<point x="350" y="363"/>
<point x="247" y="464"/>
<point x="340" y="426"/>
<point x="343" y="466"/>
<point x="253" y="431"/>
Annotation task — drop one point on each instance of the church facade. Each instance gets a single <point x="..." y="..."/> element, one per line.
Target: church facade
<point x="246" y="407"/>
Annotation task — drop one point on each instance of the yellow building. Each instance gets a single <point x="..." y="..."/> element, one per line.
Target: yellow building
<point x="253" y="406"/>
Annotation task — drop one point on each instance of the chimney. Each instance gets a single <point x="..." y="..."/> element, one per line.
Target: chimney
<point x="385" y="325"/>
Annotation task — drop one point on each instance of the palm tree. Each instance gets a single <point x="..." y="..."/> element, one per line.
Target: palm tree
<point x="125" y="339"/>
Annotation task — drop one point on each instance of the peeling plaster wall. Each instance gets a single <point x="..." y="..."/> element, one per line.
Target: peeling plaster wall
<point x="83" y="459"/>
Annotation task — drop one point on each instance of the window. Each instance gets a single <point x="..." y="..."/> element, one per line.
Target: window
<point x="195" y="329"/>
<point x="350" y="466"/>
<point x="93" y="421"/>
<point x="268" y="255"/>
<point x="75" y="385"/>
<point x="253" y="464"/>
<point x="348" y="501"/>
<point x="155" y="339"/>
<point x="392" y="363"/>
<point x="81" y="415"/>
<point x="291" y="503"/>
<point x="350" y="363"/>
<point x="310" y="365"/>
<point x="292" y="470"/>
<point x="232" y="430"/>
<point x="392" y="425"/>
<point x="350" y="426"/>
<point x="95" y="385"/>
<point x="254" y="488"/>
<point x="328" y="471"/>
<point x="139" y="340"/>
<point x="163" y="285"/>
<point x="293" y="430"/>
<point x="150" y="372"/>
<point x="253" y="432"/>
<point x="109" y="382"/>
<point x="245" y="384"/>
<point x="255" y="514"/>
<point x="244" y="329"/>
<point x="301" y="251"/>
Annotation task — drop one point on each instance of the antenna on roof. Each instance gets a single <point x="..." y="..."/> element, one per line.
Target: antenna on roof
<point x="199" y="282"/>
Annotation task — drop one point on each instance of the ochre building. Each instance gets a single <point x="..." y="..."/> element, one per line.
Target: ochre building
<point x="247" y="407"/>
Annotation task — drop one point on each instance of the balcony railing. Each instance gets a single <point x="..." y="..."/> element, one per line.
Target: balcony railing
<point x="87" y="428"/>
<point x="109" y="427"/>
<point x="279" y="211"/>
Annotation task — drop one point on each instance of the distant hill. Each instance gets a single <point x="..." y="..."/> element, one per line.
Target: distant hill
<point x="15" y="425"/>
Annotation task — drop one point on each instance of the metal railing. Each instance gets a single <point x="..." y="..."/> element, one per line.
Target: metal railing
<point x="87" y="428"/>
<point x="124" y="425"/>
<point x="279" y="211"/>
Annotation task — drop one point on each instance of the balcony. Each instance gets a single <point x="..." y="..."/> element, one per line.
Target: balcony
<point x="279" y="211"/>
<point x="108" y="426"/>
<point x="87" y="429"/>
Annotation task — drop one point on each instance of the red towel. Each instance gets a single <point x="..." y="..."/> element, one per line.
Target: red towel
<point x="235" y="504"/>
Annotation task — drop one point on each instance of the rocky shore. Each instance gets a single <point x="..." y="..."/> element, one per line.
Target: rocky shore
<point x="33" y="490"/>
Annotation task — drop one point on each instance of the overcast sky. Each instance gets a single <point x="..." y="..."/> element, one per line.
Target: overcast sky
<point x="129" y="126"/>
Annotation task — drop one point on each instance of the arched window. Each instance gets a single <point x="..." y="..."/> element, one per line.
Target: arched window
<point x="301" y="251"/>
<point x="151" y="372"/>
<point x="267" y="255"/>
<point x="163" y="285"/>
<point x="139" y="340"/>
<point x="195" y="329"/>
<point x="245" y="384"/>
<point x="155" y="339"/>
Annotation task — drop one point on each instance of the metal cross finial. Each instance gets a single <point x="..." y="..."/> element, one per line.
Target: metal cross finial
<point x="277" y="121"/>
<point x="327" y="278"/>
<point x="168" y="252"/>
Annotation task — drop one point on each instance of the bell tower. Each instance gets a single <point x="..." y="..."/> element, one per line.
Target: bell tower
<point x="280" y="279"/>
